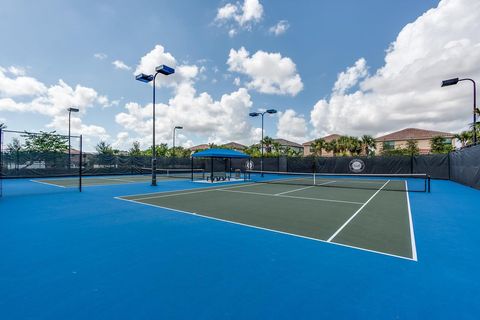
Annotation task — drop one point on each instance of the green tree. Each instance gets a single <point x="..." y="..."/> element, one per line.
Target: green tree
<point x="438" y="145"/>
<point x="161" y="150"/>
<point x="14" y="146"/>
<point x="332" y="146"/>
<point x="465" y="137"/>
<point x="267" y="144"/>
<point x="354" y="146"/>
<point x="412" y="148"/>
<point x="317" y="146"/>
<point x="135" y="150"/>
<point x="253" y="151"/>
<point x="368" y="144"/>
<point x="45" y="142"/>
<point x="104" y="148"/>
<point x="276" y="146"/>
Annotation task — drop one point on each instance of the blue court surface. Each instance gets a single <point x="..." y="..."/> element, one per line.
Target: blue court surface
<point x="93" y="255"/>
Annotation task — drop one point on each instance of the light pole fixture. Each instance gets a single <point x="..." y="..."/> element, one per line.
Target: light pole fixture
<point x="175" y="128"/>
<point x="165" y="70"/>
<point x="256" y="114"/>
<point x="70" y="110"/>
<point x="454" y="81"/>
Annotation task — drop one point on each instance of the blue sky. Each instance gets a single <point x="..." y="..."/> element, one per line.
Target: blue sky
<point x="333" y="69"/>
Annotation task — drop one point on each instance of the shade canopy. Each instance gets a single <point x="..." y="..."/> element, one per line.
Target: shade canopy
<point x="220" y="153"/>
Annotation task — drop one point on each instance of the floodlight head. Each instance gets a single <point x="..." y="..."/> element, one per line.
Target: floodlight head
<point x="165" y="70"/>
<point x="178" y="127"/>
<point x="271" y="111"/>
<point x="144" y="77"/>
<point x="254" y="114"/>
<point x="73" y="110"/>
<point x="450" y="82"/>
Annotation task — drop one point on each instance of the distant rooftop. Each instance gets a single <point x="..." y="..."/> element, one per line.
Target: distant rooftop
<point x="413" y="134"/>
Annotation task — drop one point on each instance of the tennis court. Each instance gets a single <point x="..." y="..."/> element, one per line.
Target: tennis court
<point x="368" y="214"/>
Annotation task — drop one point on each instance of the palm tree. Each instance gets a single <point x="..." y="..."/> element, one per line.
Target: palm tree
<point x="318" y="145"/>
<point x="276" y="148"/>
<point x="343" y="144"/>
<point x="412" y="148"/>
<point x="354" y="146"/>
<point x="267" y="144"/>
<point x="368" y="144"/>
<point x="465" y="137"/>
<point x="332" y="146"/>
<point x="3" y="126"/>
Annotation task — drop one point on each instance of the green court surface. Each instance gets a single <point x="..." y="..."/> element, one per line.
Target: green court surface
<point x="377" y="220"/>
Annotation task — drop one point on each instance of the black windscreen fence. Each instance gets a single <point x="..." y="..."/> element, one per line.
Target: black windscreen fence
<point x="32" y="155"/>
<point x="20" y="158"/>
<point x="465" y="166"/>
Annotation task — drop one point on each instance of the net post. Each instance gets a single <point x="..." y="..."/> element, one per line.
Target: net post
<point x="1" y="162"/>
<point x="191" y="166"/>
<point x="80" y="162"/>
<point x="428" y="183"/>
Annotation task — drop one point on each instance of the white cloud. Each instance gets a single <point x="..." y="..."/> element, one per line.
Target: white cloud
<point x="350" y="77"/>
<point x="17" y="71"/>
<point x="291" y="126"/>
<point x="226" y="12"/>
<point x="236" y="81"/>
<point x="51" y="101"/>
<point x="118" y="64"/>
<point x="158" y="56"/>
<point x="441" y="44"/>
<point x="100" y="56"/>
<point x="19" y="85"/>
<point x="269" y="72"/>
<point x="201" y="116"/>
<point x="239" y="16"/>
<point x="232" y="33"/>
<point x="280" y="28"/>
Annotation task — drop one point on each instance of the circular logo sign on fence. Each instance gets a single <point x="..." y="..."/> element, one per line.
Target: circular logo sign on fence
<point x="356" y="166"/>
<point x="249" y="165"/>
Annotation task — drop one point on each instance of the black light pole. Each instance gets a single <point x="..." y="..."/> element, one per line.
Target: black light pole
<point x="165" y="70"/>
<point x="256" y="114"/>
<point x="70" y="110"/>
<point x="175" y="128"/>
<point x="454" y="81"/>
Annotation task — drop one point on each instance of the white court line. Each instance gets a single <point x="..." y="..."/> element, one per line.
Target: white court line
<point x="412" y="234"/>
<point x="289" y="191"/>
<point x="356" y="213"/>
<point x="315" y="185"/>
<point x="292" y="197"/>
<point x="266" y="229"/>
<point x="48" y="184"/>
<point x="111" y="179"/>
<point x="162" y="195"/>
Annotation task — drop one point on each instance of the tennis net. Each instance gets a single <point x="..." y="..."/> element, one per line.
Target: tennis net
<point x="177" y="173"/>
<point x="391" y="182"/>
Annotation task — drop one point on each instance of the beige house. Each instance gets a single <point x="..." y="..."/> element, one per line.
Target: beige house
<point x="308" y="149"/>
<point x="398" y="139"/>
